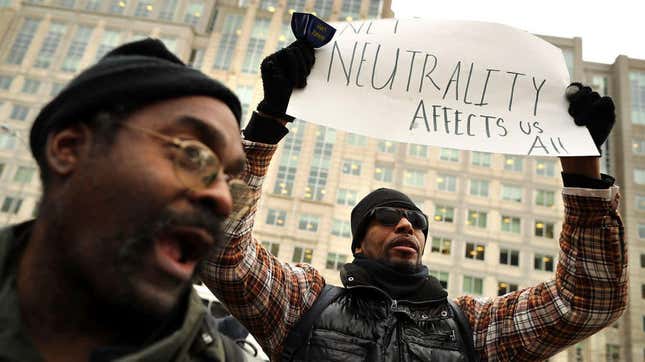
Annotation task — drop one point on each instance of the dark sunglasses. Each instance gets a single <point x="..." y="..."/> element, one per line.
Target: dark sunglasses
<point x="390" y="216"/>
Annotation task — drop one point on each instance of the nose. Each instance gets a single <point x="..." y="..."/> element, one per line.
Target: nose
<point x="216" y="197"/>
<point x="404" y="227"/>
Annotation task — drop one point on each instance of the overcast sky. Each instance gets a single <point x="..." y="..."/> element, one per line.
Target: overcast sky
<point x="607" y="28"/>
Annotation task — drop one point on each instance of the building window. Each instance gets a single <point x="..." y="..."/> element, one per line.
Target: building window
<point x="642" y="260"/>
<point x="511" y="224"/>
<point x="24" y="174"/>
<point x="309" y="222"/>
<point x="11" y="205"/>
<point x="193" y="13"/>
<point x="477" y="218"/>
<point x="2" y="166"/>
<point x="441" y="245"/>
<point x="351" y="167"/>
<point x="302" y="255"/>
<point x="418" y="150"/>
<point x="509" y="257"/>
<point x="286" y="36"/>
<point x="374" y="9"/>
<point x="143" y="9"/>
<point x="276" y="217"/>
<point x="641" y="231"/>
<point x="5" y="82"/>
<point x="55" y="89"/>
<point x="511" y="193"/>
<point x="167" y="10"/>
<point x="473" y="285"/>
<point x="479" y="188"/>
<point x="543" y="262"/>
<point x="322" y="8"/>
<point x="639" y="176"/>
<point x="31" y="86"/>
<point x="446" y="183"/>
<point x="449" y="154"/>
<point x="475" y="251"/>
<point x="544" y="198"/>
<point x="613" y="353"/>
<point x="93" y="5"/>
<point x="444" y="213"/>
<point x="513" y="163"/>
<point x="415" y="178"/>
<point x="341" y="228"/>
<point x="272" y="247"/>
<point x="355" y="139"/>
<point x="481" y="159"/>
<point x="544" y="229"/>
<point x="255" y="46"/>
<point x="386" y="146"/>
<point x="505" y="288"/>
<point x="335" y="261"/>
<point x="350" y="10"/>
<point x="170" y="42"/>
<point x="346" y="197"/>
<point x="319" y="171"/>
<point x="640" y="202"/>
<point x="289" y="159"/>
<point x="23" y="41"/>
<point x="66" y="3"/>
<point x="441" y="276"/>
<point x="76" y="49"/>
<point x="268" y="5"/>
<point x="117" y="6"/>
<point x="638" y="146"/>
<point x="384" y="173"/>
<point x="196" y="58"/>
<point x="245" y="94"/>
<point x="295" y="5"/>
<point x="109" y="41"/>
<point x="637" y="82"/>
<point x="230" y="32"/>
<point x="545" y="168"/>
<point x="19" y="112"/>
<point x="7" y="141"/>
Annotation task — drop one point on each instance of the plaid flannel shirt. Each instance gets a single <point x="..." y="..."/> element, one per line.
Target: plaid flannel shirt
<point x="588" y="293"/>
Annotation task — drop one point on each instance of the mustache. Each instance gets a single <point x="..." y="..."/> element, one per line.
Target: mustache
<point x="139" y="243"/>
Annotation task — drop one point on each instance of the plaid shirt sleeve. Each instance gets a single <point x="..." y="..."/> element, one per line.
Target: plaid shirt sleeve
<point x="588" y="293"/>
<point x="266" y="295"/>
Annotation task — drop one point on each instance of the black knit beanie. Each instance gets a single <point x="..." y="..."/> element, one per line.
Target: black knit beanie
<point x="132" y="75"/>
<point x="377" y="198"/>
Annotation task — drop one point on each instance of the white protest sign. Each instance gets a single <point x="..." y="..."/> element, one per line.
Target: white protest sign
<point x="458" y="84"/>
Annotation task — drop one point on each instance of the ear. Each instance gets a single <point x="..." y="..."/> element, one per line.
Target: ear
<point x="66" y="148"/>
<point x="358" y="250"/>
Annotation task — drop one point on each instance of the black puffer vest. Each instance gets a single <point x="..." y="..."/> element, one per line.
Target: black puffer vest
<point x="363" y="323"/>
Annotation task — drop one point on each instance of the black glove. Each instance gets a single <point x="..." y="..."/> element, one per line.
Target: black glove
<point x="589" y="109"/>
<point x="283" y="71"/>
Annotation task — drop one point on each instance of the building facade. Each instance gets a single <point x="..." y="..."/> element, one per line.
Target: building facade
<point x="495" y="219"/>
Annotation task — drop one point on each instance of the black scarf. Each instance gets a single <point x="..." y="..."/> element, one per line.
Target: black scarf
<point x="413" y="285"/>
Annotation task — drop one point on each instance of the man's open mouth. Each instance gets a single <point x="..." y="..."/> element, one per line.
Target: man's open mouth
<point x="404" y="244"/>
<point x="179" y="248"/>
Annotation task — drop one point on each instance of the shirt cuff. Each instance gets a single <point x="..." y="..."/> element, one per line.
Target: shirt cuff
<point x="264" y="130"/>
<point x="579" y="181"/>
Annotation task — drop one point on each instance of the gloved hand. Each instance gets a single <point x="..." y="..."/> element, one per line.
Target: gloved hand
<point x="281" y="72"/>
<point x="589" y="109"/>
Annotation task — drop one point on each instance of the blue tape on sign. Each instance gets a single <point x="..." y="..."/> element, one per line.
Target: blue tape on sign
<point x="311" y="29"/>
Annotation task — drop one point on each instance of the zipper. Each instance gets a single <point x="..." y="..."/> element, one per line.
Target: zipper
<point x="398" y="341"/>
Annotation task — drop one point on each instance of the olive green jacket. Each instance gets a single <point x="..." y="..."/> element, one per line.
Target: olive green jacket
<point x="195" y="340"/>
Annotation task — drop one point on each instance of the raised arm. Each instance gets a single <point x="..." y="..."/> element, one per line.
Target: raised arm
<point x="590" y="287"/>
<point x="267" y="296"/>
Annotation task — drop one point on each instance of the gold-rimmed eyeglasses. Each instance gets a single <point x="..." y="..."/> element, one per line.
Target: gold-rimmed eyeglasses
<point x="197" y="167"/>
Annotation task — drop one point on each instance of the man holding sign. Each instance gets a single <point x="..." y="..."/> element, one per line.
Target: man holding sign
<point x="390" y="309"/>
